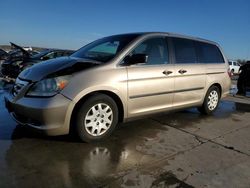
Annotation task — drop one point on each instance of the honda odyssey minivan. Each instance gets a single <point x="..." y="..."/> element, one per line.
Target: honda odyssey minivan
<point x="119" y="78"/>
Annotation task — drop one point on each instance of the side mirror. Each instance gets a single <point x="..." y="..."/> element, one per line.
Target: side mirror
<point x="135" y="59"/>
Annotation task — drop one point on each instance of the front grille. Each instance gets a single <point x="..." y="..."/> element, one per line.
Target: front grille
<point x="25" y="120"/>
<point x="18" y="86"/>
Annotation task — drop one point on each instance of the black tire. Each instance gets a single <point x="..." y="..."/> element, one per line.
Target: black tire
<point x="82" y="131"/>
<point x="204" y="109"/>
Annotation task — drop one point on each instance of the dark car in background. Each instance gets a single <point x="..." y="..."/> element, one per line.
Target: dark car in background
<point x="3" y="56"/>
<point x="243" y="83"/>
<point x="50" y="54"/>
<point x="16" y="54"/>
<point x="23" y="59"/>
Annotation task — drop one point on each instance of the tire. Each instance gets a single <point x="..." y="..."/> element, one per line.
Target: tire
<point x="96" y="118"/>
<point x="207" y="106"/>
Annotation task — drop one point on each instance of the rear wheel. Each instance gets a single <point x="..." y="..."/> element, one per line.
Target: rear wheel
<point x="211" y="100"/>
<point x="97" y="118"/>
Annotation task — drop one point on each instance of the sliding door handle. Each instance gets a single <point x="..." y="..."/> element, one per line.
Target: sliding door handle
<point x="182" y="71"/>
<point x="167" y="72"/>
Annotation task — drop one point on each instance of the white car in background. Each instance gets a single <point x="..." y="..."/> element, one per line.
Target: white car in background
<point x="234" y="67"/>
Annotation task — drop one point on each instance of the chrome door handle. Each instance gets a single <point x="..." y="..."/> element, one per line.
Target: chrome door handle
<point x="167" y="72"/>
<point x="182" y="71"/>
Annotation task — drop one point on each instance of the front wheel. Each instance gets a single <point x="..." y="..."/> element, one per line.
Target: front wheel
<point x="211" y="101"/>
<point x="97" y="118"/>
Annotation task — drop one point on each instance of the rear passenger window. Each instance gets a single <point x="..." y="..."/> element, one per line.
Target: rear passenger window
<point x="209" y="53"/>
<point x="184" y="51"/>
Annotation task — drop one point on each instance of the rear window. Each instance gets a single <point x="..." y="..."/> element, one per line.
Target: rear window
<point x="209" y="53"/>
<point x="230" y="63"/>
<point x="184" y="51"/>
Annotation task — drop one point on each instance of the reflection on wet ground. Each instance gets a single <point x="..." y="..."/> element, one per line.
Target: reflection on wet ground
<point x="28" y="159"/>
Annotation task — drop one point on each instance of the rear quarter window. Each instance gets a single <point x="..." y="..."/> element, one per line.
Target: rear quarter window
<point x="209" y="53"/>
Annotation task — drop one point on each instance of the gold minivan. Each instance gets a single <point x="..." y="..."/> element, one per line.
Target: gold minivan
<point x="118" y="78"/>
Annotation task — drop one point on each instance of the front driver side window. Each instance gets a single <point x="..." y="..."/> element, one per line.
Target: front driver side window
<point x="155" y="48"/>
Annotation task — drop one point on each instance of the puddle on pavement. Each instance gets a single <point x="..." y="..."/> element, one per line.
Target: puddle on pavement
<point x="140" y="178"/>
<point x="168" y="179"/>
<point x="72" y="164"/>
<point x="191" y="117"/>
<point x="69" y="163"/>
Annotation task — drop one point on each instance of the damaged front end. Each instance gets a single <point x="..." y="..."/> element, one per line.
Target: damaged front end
<point x="12" y="65"/>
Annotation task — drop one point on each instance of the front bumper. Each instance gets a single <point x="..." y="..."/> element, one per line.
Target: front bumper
<point x="44" y="114"/>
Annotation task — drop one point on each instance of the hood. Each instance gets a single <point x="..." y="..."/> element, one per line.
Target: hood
<point x="20" y="48"/>
<point x="56" y="67"/>
<point x="3" y="52"/>
<point x="25" y="53"/>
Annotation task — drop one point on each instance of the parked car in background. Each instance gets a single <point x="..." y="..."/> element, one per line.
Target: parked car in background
<point x="9" y="67"/>
<point x="243" y="83"/>
<point x="3" y="55"/>
<point x="21" y="59"/>
<point x="116" y="79"/>
<point x="17" y="50"/>
<point x="50" y="54"/>
<point x="234" y="67"/>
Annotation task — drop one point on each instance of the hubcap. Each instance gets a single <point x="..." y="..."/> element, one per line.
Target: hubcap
<point x="98" y="119"/>
<point x="213" y="99"/>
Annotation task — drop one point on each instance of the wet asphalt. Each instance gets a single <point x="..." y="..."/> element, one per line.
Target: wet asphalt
<point x="180" y="149"/>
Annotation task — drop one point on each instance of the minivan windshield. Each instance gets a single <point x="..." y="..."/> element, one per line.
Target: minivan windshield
<point x="105" y="49"/>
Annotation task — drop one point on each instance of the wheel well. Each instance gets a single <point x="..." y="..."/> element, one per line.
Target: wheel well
<point x="110" y="94"/>
<point x="218" y="86"/>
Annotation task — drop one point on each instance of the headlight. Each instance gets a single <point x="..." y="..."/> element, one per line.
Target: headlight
<point x="48" y="87"/>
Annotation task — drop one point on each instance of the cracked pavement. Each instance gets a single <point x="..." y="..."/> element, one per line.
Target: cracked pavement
<point x="181" y="149"/>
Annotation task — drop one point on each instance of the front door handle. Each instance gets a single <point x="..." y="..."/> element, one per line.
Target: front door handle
<point x="182" y="71"/>
<point x="167" y="72"/>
